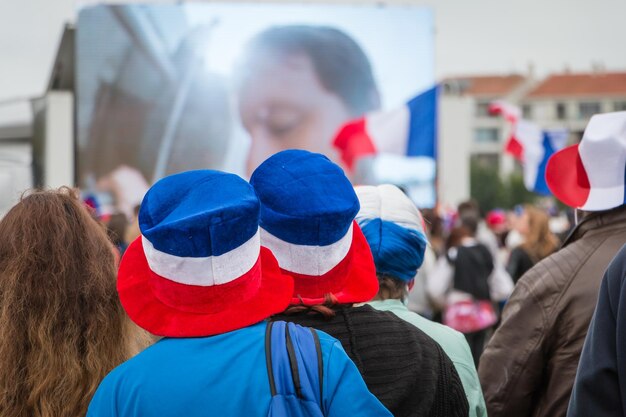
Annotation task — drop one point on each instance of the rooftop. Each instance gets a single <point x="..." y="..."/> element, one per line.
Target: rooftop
<point x="581" y="84"/>
<point x="490" y="85"/>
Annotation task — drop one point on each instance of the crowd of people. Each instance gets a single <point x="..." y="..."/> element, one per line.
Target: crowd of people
<point x="299" y="294"/>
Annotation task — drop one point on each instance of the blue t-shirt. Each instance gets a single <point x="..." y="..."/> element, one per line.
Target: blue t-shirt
<point x="223" y="375"/>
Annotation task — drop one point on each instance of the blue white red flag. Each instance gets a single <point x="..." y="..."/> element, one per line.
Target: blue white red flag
<point x="530" y="145"/>
<point x="410" y="130"/>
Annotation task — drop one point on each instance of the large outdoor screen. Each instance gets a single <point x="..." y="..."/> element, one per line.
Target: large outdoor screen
<point x="168" y="88"/>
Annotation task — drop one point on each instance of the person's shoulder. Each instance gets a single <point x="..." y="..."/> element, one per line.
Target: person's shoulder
<point x="116" y="380"/>
<point x="135" y="364"/>
<point x="386" y="324"/>
<point x="616" y="272"/>
<point x="554" y="271"/>
<point x="327" y="342"/>
<point x="453" y="342"/>
<point x="366" y="312"/>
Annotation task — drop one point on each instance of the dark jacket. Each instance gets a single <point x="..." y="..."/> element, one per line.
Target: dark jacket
<point x="600" y="387"/>
<point x="519" y="263"/>
<point x="472" y="267"/>
<point x="402" y="366"/>
<point x="529" y="365"/>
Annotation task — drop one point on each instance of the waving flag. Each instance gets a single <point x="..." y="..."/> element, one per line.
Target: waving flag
<point x="538" y="146"/>
<point x="513" y="115"/>
<point x="410" y="130"/>
<point x="530" y="145"/>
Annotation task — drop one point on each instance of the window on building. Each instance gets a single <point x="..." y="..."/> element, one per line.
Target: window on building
<point x="486" y="135"/>
<point x="561" y="111"/>
<point x="588" y="109"/>
<point x="619" y="106"/>
<point x="527" y="111"/>
<point x="482" y="109"/>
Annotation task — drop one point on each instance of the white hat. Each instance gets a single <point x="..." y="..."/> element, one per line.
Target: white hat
<point x="591" y="175"/>
<point x="388" y="202"/>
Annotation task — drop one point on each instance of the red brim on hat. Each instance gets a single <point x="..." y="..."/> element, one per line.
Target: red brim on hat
<point x="353" y="280"/>
<point x="566" y="177"/>
<point x="138" y="298"/>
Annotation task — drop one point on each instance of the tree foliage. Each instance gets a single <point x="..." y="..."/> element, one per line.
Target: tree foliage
<point x="491" y="191"/>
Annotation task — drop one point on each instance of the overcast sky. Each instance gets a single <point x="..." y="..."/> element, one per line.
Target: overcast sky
<point x="472" y="37"/>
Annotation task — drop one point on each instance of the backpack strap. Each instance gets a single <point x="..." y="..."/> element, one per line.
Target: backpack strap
<point x="294" y="362"/>
<point x="268" y="357"/>
<point x="320" y="363"/>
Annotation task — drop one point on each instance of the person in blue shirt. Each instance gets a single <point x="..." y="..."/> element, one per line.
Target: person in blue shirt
<point x="199" y="277"/>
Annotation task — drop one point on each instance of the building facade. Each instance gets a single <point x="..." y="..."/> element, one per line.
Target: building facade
<point x="468" y="133"/>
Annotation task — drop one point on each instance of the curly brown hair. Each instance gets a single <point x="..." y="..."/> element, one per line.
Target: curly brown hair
<point x="62" y="327"/>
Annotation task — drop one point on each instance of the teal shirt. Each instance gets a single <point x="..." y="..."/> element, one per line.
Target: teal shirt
<point x="455" y="346"/>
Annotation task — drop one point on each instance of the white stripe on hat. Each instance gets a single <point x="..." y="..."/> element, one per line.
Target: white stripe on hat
<point x="600" y="199"/>
<point x="305" y="259"/>
<point x="388" y="202"/>
<point x="206" y="271"/>
<point x="603" y="154"/>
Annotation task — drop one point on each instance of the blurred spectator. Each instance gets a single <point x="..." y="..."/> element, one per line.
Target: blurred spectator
<point x="418" y="299"/>
<point x="533" y="225"/>
<point x="116" y="230"/>
<point x="127" y="186"/>
<point x="132" y="231"/>
<point x="497" y="222"/>
<point x="529" y="366"/>
<point x="500" y="282"/>
<point x="460" y="284"/>
<point x="435" y="227"/>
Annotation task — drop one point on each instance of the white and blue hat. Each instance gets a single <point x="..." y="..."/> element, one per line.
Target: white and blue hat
<point x="394" y="229"/>
<point x="198" y="267"/>
<point x="308" y="208"/>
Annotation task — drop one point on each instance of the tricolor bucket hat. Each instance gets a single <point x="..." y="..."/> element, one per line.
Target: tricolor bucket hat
<point x="198" y="268"/>
<point x="591" y="175"/>
<point x="308" y="208"/>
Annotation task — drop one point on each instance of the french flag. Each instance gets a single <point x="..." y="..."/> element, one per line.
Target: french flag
<point x="410" y="130"/>
<point x="530" y="145"/>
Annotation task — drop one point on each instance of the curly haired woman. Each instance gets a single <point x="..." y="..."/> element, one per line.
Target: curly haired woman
<point x="62" y="328"/>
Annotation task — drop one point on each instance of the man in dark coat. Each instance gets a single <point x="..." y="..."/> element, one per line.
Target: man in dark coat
<point x="600" y="387"/>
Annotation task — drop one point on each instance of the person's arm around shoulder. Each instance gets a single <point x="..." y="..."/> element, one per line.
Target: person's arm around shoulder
<point x="511" y="366"/>
<point x="344" y="391"/>
<point x="598" y="389"/>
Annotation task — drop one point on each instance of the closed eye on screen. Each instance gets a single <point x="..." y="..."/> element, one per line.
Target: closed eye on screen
<point x="282" y="125"/>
